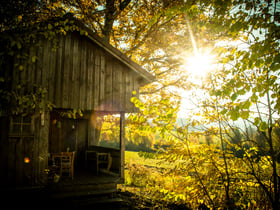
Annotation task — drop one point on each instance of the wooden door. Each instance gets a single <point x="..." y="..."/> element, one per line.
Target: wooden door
<point x="62" y="135"/>
<point x="69" y="133"/>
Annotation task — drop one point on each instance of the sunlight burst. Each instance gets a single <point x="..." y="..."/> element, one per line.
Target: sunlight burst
<point x="199" y="64"/>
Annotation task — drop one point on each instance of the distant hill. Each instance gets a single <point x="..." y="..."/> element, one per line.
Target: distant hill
<point x="182" y="122"/>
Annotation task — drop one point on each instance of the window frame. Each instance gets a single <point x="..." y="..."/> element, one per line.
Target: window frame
<point x="24" y="124"/>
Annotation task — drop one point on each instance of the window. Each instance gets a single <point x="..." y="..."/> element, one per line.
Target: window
<point x="21" y="126"/>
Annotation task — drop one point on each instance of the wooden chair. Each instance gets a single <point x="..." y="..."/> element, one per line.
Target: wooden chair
<point x="67" y="163"/>
<point x="98" y="159"/>
<point x="102" y="159"/>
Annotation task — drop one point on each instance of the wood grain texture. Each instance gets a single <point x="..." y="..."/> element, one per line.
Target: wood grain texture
<point x="79" y="74"/>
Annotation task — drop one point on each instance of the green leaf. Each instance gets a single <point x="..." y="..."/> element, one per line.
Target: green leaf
<point x="169" y="116"/>
<point x="254" y="98"/>
<point x="223" y="112"/>
<point x="234" y="97"/>
<point x="19" y="46"/>
<point x="227" y="91"/>
<point x="239" y="84"/>
<point x="50" y="26"/>
<point x="244" y="115"/>
<point x="257" y="121"/>
<point x="154" y="19"/>
<point x="212" y="92"/>
<point x="242" y="92"/>
<point x="263" y="126"/>
<point x="234" y="115"/>
<point x="13" y="43"/>
<point x="246" y="105"/>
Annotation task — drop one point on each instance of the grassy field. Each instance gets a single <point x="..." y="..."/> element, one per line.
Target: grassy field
<point x="132" y="157"/>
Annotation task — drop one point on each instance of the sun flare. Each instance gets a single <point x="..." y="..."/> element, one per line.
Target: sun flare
<point x="199" y="64"/>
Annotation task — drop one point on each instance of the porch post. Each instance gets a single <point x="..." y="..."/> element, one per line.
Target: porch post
<point x="122" y="142"/>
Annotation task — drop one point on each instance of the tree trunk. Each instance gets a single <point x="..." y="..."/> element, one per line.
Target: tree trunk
<point x="110" y="15"/>
<point x="109" y="19"/>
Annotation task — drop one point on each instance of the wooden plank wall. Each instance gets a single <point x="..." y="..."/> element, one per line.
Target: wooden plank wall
<point x="35" y="148"/>
<point x="80" y="75"/>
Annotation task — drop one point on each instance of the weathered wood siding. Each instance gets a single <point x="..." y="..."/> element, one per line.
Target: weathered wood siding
<point x="79" y="74"/>
<point x="36" y="149"/>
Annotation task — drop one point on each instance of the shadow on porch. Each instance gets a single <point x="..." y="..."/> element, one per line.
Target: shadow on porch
<point x="86" y="189"/>
<point x="84" y="184"/>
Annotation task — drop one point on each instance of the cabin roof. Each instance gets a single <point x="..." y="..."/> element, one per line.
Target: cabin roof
<point x="148" y="77"/>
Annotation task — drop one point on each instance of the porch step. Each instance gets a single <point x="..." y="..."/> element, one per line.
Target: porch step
<point x="103" y="199"/>
<point x="91" y="203"/>
<point x="82" y="193"/>
<point x="99" y="186"/>
<point x="97" y="202"/>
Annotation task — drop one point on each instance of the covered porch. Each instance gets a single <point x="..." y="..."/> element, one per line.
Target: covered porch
<point x="96" y="140"/>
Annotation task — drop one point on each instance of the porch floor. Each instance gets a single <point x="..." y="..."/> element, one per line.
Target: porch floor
<point x="84" y="191"/>
<point x="87" y="178"/>
<point x="84" y="184"/>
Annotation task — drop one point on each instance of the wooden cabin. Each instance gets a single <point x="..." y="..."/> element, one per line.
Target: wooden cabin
<point x="82" y="74"/>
